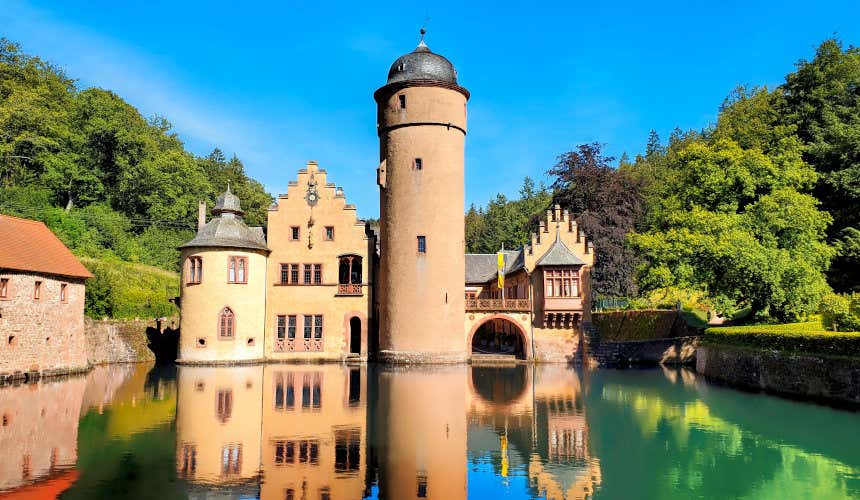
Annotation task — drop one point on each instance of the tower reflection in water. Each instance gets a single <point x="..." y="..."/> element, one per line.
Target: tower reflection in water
<point x="348" y="432"/>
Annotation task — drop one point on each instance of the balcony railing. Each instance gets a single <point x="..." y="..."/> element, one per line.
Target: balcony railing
<point x="497" y="304"/>
<point x="349" y="289"/>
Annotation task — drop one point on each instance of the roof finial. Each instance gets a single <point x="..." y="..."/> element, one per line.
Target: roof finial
<point x="228" y="186"/>
<point x="422" y="31"/>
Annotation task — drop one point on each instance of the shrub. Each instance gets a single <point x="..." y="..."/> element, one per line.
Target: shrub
<point x="841" y="313"/>
<point x="808" y="338"/>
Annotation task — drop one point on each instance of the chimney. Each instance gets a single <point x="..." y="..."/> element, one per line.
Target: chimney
<point x="201" y="215"/>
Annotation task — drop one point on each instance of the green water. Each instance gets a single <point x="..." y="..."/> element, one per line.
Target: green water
<point x="340" y="432"/>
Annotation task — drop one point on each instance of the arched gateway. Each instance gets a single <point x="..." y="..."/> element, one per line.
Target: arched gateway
<point x="499" y="334"/>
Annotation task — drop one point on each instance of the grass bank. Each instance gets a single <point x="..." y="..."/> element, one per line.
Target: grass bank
<point x="126" y="290"/>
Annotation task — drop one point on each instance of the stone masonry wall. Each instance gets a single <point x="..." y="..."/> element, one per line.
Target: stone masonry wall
<point x="673" y="351"/>
<point x="831" y="380"/>
<point x="44" y="335"/>
<point x="122" y="341"/>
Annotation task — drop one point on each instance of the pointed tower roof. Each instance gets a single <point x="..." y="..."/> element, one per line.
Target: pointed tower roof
<point x="559" y="255"/>
<point x="227" y="202"/>
<point x="227" y="229"/>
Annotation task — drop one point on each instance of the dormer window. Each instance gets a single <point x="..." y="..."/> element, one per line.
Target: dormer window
<point x="402" y="98"/>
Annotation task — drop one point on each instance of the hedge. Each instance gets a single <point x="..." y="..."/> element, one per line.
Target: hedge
<point x="806" y="338"/>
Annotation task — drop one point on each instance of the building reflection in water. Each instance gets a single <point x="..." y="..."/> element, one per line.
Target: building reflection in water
<point x="39" y="428"/>
<point x="340" y="432"/>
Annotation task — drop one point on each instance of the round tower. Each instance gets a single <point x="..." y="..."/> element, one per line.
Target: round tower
<point x="421" y="120"/>
<point x="223" y="289"/>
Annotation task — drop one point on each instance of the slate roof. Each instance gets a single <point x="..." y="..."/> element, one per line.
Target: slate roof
<point x="227" y="229"/>
<point x="481" y="267"/>
<point x="28" y="245"/>
<point x="559" y="255"/>
<point x="422" y="64"/>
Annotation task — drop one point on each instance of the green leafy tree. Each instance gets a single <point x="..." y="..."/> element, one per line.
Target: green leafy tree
<point x="728" y="214"/>
<point x="822" y="99"/>
<point x="506" y="223"/>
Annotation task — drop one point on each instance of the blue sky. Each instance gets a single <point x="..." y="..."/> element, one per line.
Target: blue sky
<point x="281" y="83"/>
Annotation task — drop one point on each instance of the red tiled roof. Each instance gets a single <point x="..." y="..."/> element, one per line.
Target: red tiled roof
<point x="28" y="245"/>
<point x="43" y="490"/>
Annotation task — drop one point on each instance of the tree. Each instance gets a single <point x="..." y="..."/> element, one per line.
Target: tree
<point x="822" y="99"/>
<point x="607" y="205"/>
<point x="506" y="223"/>
<point x="728" y="214"/>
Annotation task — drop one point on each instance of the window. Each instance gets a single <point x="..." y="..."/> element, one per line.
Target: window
<point x="317" y="274"/>
<point x="231" y="459"/>
<point x="347" y="454"/>
<point x="285" y="274"/>
<point x="63" y="293"/>
<point x="418" y="164"/>
<point x="226" y="324"/>
<point x="37" y="290"/>
<point x="325" y="494"/>
<point x="4" y="288"/>
<point x="309" y="324"/>
<point x="195" y="270"/>
<point x="561" y="282"/>
<point x="329" y="233"/>
<point x="224" y="407"/>
<point x="291" y="327"/>
<point x="189" y="460"/>
<point x="238" y="269"/>
<point x="422" y="485"/>
<point x="281" y="329"/>
<point x="309" y="452"/>
<point x="318" y="326"/>
<point x="402" y="98"/>
<point x="285" y="396"/>
<point x="294" y="273"/>
<point x="312" y="390"/>
<point x="307" y="273"/>
<point x="422" y="244"/>
<point x="294" y="233"/>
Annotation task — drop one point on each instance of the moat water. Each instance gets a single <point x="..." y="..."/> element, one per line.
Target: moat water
<point x="338" y="432"/>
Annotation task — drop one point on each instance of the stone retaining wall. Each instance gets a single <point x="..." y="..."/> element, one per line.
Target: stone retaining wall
<point x="827" y="379"/>
<point x="673" y="351"/>
<point x="123" y="341"/>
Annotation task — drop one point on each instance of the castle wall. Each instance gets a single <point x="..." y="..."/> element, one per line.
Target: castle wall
<point x="39" y="429"/>
<point x="338" y="305"/>
<point x="45" y="336"/>
<point x="202" y="304"/>
<point x="421" y="300"/>
<point x="218" y="419"/>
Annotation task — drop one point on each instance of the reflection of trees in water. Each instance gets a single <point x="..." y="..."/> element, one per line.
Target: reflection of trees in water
<point x="656" y="441"/>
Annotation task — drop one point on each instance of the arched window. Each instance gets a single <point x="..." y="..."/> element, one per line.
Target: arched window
<point x="227" y="324"/>
<point x="349" y="275"/>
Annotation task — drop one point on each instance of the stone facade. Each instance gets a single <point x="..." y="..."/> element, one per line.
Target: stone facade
<point x="826" y="379"/>
<point x="422" y="134"/>
<point x="329" y="236"/>
<point x="43" y="336"/>
<point x="549" y="328"/>
<point x="39" y="430"/>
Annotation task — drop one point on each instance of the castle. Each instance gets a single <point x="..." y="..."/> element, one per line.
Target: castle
<point x="318" y="284"/>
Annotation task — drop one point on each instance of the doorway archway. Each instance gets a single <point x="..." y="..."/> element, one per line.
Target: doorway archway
<point x="355" y="335"/>
<point x="499" y="335"/>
